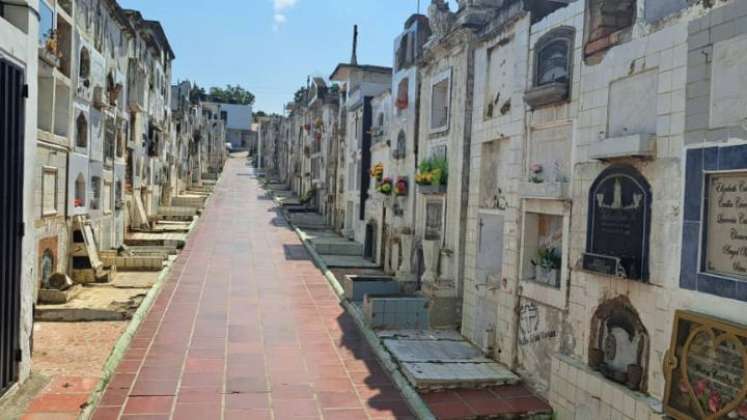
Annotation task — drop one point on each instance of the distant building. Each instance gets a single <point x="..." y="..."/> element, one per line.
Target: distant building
<point x="238" y="121"/>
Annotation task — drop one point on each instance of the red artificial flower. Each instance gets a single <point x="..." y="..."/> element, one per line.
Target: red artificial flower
<point x="742" y="410"/>
<point x="714" y="402"/>
<point x="700" y="387"/>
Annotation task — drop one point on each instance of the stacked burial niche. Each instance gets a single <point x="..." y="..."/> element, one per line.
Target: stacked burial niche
<point x="619" y="344"/>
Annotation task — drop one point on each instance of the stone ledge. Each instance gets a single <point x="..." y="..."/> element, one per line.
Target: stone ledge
<point x="547" y="94"/>
<point x="637" y="145"/>
<point x="545" y="190"/>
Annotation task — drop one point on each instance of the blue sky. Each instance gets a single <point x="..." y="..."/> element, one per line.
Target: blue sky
<point x="271" y="46"/>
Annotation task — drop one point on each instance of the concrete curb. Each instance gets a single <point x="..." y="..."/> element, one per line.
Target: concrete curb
<point x="416" y="404"/>
<point x="124" y="341"/>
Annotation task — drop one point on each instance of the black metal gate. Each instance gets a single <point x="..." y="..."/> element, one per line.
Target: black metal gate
<point x="12" y="94"/>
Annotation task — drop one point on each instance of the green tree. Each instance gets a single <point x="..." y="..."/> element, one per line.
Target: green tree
<point x="231" y="95"/>
<point x="301" y="96"/>
<point x="197" y="94"/>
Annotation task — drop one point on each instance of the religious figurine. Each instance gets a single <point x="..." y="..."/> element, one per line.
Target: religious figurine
<point x="440" y="17"/>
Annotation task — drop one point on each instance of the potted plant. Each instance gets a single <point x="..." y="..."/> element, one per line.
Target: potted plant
<point x="547" y="266"/>
<point x="535" y="173"/>
<point x="433" y="175"/>
<point x="385" y="187"/>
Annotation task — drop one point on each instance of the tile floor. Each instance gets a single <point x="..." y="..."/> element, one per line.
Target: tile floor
<point x="248" y="328"/>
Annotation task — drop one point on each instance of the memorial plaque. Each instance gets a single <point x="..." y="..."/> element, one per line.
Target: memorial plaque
<point x="706" y="369"/>
<point x="726" y="228"/>
<point x="619" y="224"/>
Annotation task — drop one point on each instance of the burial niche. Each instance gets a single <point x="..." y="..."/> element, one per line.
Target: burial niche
<point x="369" y="247"/>
<point x="617" y="242"/>
<point x="619" y="344"/>
<point x="80" y="192"/>
<point x="553" y="57"/>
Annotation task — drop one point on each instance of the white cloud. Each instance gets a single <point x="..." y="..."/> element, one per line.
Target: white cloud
<point x="281" y="7"/>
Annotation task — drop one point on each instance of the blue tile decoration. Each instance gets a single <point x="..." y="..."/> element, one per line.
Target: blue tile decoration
<point x="689" y="263"/>
<point x="710" y="158"/>
<point x="731" y="158"/>
<point x="718" y="286"/>
<point x="741" y="291"/>
<point x="698" y="161"/>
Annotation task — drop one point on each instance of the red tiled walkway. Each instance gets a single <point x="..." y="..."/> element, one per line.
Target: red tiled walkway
<point x="248" y="328"/>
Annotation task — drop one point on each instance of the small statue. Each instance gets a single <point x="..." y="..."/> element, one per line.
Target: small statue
<point x="440" y="17"/>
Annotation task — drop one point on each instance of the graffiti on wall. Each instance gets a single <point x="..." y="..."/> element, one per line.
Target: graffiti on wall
<point x="531" y="329"/>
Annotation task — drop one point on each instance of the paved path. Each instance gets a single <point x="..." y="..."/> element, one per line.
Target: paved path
<point x="248" y="328"/>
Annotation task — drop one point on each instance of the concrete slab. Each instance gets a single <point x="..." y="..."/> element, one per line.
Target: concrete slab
<point x="287" y="201"/>
<point x="441" y="351"/>
<point x="173" y="225"/>
<point x="433" y="360"/>
<point x="57" y="297"/>
<point x="308" y="220"/>
<point x="156" y="239"/>
<point x="134" y="280"/>
<point x="434" y="376"/>
<point x="429" y="335"/>
<point x="328" y="242"/>
<point x="189" y="200"/>
<point x="337" y="246"/>
<point x="347" y="261"/>
<point x="95" y="304"/>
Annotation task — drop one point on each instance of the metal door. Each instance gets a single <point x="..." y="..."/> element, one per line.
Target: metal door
<point x="12" y="94"/>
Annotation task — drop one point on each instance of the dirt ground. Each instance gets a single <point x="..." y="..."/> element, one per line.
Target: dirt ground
<point x="68" y="361"/>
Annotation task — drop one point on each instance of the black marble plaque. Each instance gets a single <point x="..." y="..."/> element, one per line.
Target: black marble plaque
<point x="619" y="224"/>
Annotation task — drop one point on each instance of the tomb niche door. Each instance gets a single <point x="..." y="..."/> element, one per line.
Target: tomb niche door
<point x="369" y="247"/>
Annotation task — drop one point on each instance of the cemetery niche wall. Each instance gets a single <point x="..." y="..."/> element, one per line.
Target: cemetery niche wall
<point x="714" y="241"/>
<point x="706" y="369"/>
<point x="618" y="229"/>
